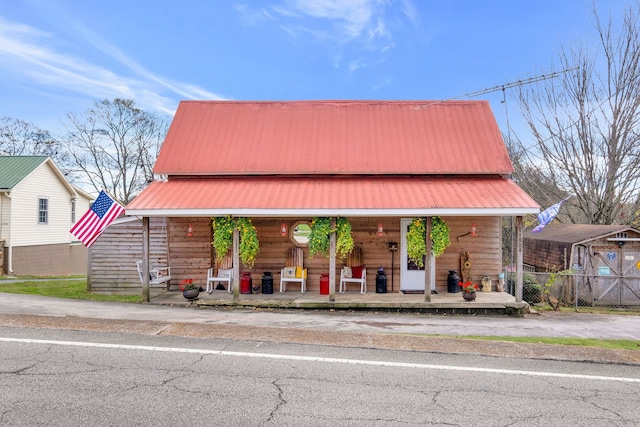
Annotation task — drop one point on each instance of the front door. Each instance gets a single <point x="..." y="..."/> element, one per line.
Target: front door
<point x="411" y="276"/>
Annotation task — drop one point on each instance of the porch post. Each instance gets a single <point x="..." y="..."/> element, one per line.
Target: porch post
<point x="332" y="262"/>
<point x="427" y="261"/>
<point x="236" y="265"/>
<point x="145" y="259"/>
<point x="519" y="256"/>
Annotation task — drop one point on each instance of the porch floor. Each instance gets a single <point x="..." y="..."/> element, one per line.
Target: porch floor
<point x="486" y="303"/>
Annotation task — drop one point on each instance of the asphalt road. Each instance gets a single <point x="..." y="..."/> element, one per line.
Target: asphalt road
<point x="59" y="377"/>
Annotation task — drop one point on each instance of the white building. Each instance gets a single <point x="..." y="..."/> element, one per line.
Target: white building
<point x="38" y="207"/>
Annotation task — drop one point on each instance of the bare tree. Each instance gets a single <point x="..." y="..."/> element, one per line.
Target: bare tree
<point x="18" y="137"/>
<point x="585" y="125"/>
<point x="114" y="145"/>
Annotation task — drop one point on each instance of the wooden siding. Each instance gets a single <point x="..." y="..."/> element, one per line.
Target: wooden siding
<point x="546" y="255"/>
<point x="112" y="258"/>
<point x="485" y="249"/>
<point x="191" y="256"/>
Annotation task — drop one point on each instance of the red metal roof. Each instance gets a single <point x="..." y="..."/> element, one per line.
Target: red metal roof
<point x="353" y="195"/>
<point x="333" y="137"/>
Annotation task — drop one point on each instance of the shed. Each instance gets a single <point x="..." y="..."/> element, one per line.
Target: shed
<point x="604" y="259"/>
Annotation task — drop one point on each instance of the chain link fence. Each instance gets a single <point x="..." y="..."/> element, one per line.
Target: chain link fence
<point x="579" y="290"/>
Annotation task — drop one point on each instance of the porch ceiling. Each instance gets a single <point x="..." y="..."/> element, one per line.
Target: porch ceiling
<point x="333" y="196"/>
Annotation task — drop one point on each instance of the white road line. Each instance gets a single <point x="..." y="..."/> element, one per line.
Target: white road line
<point x="319" y="359"/>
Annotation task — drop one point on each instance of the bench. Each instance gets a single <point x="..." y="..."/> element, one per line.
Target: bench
<point x="157" y="275"/>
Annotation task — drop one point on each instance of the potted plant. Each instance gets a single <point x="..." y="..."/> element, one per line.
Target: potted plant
<point x="189" y="290"/>
<point x="468" y="290"/>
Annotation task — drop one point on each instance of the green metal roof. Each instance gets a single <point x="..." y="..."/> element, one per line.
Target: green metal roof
<point x="14" y="169"/>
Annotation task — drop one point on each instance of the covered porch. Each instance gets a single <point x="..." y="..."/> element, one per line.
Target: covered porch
<point x="189" y="205"/>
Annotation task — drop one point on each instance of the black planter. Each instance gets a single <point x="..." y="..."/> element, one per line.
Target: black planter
<point x="191" y="294"/>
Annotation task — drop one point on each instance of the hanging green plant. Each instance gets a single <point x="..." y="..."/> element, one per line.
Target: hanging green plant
<point x="439" y="236"/>
<point x="319" y="237"/>
<point x="222" y="235"/>
<point x="416" y="243"/>
<point x="249" y="244"/>
<point x="223" y="238"/>
<point x="344" y="240"/>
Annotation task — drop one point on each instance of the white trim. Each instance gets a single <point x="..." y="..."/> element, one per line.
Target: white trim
<point x="253" y="213"/>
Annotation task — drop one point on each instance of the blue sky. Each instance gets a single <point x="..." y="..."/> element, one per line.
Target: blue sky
<point x="58" y="56"/>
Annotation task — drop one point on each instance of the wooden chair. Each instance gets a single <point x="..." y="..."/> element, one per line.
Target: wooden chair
<point x="354" y="264"/>
<point x="346" y="276"/>
<point x="225" y="272"/>
<point x="294" y="272"/>
<point x="224" y="275"/>
<point x="157" y="275"/>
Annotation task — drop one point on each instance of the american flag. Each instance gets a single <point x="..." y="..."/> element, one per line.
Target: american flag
<point x="93" y="223"/>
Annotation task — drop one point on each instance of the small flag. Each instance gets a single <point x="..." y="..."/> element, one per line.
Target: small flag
<point x="93" y="223"/>
<point x="546" y="216"/>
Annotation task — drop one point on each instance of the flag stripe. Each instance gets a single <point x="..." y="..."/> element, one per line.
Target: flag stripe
<point x="97" y="219"/>
<point x="111" y="214"/>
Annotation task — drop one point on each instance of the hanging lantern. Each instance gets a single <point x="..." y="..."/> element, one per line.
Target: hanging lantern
<point x="284" y="229"/>
<point x="380" y="230"/>
<point x="190" y="231"/>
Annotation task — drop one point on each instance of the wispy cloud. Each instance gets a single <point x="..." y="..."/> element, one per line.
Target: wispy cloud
<point x="344" y="25"/>
<point x="29" y="56"/>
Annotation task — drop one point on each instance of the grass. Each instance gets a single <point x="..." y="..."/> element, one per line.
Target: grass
<point x="67" y="287"/>
<point x="588" y="310"/>
<point x="580" y="342"/>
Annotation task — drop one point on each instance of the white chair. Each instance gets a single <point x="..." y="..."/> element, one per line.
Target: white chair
<point x="346" y="278"/>
<point x="302" y="280"/>
<point x="224" y="275"/>
<point x="157" y="275"/>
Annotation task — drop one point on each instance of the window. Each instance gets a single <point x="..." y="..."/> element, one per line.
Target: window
<point x="300" y="233"/>
<point x="73" y="211"/>
<point x="43" y="211"/>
